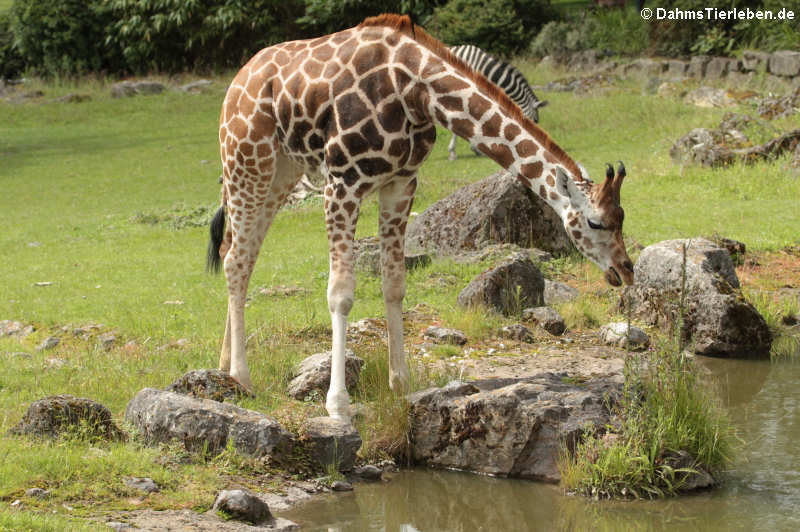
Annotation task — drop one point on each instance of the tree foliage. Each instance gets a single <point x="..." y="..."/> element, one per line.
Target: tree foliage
<point x="62" y="37"/>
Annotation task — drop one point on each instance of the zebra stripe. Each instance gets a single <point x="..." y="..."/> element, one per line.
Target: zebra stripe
<point x="503" y="75"/>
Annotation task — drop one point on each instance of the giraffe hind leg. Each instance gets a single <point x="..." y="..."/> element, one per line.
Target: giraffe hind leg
<point x="249" y="223"/>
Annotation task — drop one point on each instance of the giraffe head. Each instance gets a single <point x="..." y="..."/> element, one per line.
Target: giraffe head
<point x="594" y="222"/>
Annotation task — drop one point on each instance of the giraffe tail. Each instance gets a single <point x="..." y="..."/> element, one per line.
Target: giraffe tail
<point x="213" y="259"/>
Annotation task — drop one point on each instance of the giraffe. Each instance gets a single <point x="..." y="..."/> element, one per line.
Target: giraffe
<point x="360" y="107"/>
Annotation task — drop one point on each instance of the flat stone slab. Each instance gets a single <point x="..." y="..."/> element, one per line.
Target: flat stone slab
<point x="507" y="427"/>
<point x="204" y="425"/>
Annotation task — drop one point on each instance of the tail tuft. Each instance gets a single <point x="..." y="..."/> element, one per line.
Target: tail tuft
<point x="217" y="229"/>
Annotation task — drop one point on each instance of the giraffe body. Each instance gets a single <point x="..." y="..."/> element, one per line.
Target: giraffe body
<point x="360" y="108"/>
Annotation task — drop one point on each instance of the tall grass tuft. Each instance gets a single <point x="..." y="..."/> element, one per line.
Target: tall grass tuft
<point x="664" y="410"/>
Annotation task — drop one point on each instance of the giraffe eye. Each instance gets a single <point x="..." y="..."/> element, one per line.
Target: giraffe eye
<point x="594" y="225"/>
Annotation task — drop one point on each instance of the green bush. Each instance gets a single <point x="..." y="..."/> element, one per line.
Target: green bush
<point x="771" y="35"/>
<point x="503" y="27"/>
<point x="62" y="37"/>
<point x="11" y="62"/>
<point x="175" y="35"/>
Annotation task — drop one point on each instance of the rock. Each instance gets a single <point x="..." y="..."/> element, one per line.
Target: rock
<point x="204" y="425"/>
<point x="133" y="88"/>
<point x="367" y="252"/>
<point x="341" y="485"/>
<point x="511" y="286"/>
<point x="644" y="67"/>
<point x="314" y="374"/>
<point x="703" y="147"/>
<point x="48" y="343"/>
<point x="785" y="63"/>
<point x="15" y="328"/>
<point x="699" y="478"/>
<point x="55" y="363"/>
<point x="201" y="85"/>
<point x="332" y="441"/>
<point x="517" y="332"/>
<point x="719" y="67"/>
<point x="718" y="321"/>
<point x="242" y="505"/>
<point x="118" y="525"/>
<point x="53" y="415"/>
<point x="37" y="493"/>
<point x="779" y="107"/>
<point x="676" y="69"/>
<point x="555" y="292"/>
<point x="497" y="209"/>
<point x="500" y="252"/>
<point x="506" y="427"/>
<point x="208" y="384"/>
<point x="369" y="473"/>
<point x="669" y="89"/>
<point x="753" y="60"/>
<point x="584" y="60"/>
<point x="106" y="340"/>
<point x="74" y="98"/>
<point x="618" y="334"/>
<point x="697" y="66"/>
<point x="547" y="318"/>
<point x="144" y="484"/>
<point x="710" y="97"/>
<point x="443" y="335"/>
<point x="735" y="248"/>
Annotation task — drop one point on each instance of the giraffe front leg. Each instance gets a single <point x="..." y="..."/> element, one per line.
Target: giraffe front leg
<point x="341" y="210"/>
<point x="396" y="199"/>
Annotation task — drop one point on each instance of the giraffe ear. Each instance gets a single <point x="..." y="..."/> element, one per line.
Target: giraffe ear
<point x="567" y="187"/>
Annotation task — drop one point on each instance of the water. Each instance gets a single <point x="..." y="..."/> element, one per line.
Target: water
<point x="760" y="492"/>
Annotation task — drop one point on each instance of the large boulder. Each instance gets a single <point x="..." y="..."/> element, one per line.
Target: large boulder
<point x="507" y="427"/>
<point x="497" y="209"/>
<point x="717" y="320"/>
<point x="509" y="287"/>
<point x="205" y="425"/>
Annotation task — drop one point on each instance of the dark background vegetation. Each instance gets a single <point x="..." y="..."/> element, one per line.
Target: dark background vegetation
<point x="53" y="38"/>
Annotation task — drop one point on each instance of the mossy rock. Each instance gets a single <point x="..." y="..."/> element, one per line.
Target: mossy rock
<point x="54" y="415"/>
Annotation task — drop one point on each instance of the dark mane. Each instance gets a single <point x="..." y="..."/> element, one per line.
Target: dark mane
<point x="403" y="24"/>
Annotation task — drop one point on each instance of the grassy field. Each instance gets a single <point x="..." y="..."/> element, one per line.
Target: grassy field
<point x="83" y="181"/>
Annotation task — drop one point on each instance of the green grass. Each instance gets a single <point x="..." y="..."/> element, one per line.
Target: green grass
<point x="101" y="199"/>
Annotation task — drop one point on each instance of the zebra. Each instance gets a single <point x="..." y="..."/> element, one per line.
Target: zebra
<point x="504" y="76"/>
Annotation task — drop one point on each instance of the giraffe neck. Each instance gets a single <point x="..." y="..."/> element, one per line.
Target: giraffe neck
<point x="504" y="135"/>
<point x="474" y="109"/>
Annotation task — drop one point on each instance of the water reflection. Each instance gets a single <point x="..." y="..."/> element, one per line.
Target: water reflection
<point x="762" y="491"/>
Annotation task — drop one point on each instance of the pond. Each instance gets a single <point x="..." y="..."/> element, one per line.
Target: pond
<point x="760" y="492"/>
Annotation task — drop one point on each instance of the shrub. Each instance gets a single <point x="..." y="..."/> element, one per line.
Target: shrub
<point x="503" y="27"/>
<point x="11" y="61"/>
<point x="62" y="37"/>
<point x="559" y="38"/>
